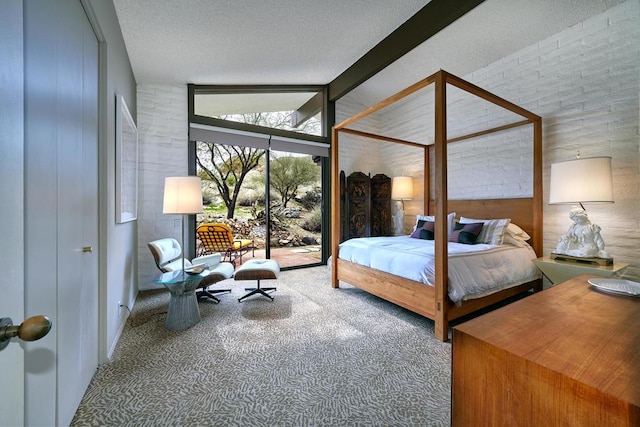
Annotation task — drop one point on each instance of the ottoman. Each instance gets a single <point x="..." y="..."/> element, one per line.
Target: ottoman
<point x="258" y="269"/>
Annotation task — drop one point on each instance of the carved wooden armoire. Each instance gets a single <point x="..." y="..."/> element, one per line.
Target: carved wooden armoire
<point x="367" y="206"/>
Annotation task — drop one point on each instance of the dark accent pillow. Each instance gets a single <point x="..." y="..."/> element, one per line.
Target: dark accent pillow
<point x="466" y="233"/>
<point x="424" y="230"/>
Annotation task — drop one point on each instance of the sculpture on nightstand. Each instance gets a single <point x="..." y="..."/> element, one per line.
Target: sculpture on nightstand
<point x="583" y="238"/>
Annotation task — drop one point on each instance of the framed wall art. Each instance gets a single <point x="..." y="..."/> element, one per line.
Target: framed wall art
<point x="126" y="164"/>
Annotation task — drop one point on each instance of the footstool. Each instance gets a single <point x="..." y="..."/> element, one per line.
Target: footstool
<point x="258" y="269"/>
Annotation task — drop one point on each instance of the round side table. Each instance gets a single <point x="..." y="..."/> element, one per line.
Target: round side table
<point x="183" y="309"/>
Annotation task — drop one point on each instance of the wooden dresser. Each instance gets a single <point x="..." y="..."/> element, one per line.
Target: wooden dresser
<point x="566" y="356"/>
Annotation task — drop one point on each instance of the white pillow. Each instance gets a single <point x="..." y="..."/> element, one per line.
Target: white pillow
<point x="450" y="218"/>
<point x="517" y="232"/>
<point x="510" y="240"/>
<point x="492" y="231"/>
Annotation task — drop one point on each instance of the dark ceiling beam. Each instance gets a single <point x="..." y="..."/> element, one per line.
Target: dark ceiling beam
<point x="429" y="20"/>
<point x="308" y="110"/>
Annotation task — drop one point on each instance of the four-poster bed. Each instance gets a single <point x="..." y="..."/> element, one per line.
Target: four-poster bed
<point x="433" y="301"/>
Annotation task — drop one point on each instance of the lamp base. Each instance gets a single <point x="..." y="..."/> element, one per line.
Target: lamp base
<point x="398" y="219"/>
<point x="582" y="260"/>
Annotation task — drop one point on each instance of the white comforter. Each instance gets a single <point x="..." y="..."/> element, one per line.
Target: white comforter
<point x="474" y="270"/>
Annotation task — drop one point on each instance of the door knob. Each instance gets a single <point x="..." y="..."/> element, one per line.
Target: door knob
<point x="31" y="329"/>
<point x="87" y="249"/>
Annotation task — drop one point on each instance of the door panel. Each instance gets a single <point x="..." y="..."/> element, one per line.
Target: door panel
<point x="77" y="213"/>
<point x="11" y="208"/>
<point x="295" y="215"/>
<point x="61" y="101"/>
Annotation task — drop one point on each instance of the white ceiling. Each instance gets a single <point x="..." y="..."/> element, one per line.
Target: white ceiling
<point x="240" y="42"/>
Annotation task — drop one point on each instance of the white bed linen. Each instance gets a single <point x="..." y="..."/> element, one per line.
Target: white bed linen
<point x="474" y="270"/>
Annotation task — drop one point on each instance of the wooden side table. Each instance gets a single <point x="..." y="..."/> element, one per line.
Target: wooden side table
<point x="568" y="355"/>
<point x="560" y="271"/>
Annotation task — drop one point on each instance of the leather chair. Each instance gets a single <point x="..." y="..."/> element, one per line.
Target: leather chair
<point x="167" y="254"/>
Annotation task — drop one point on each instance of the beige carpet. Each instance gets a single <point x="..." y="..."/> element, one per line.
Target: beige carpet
<point x="315" y="356"/>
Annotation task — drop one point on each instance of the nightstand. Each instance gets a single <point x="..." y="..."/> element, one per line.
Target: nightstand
<point x="560" y="271"/>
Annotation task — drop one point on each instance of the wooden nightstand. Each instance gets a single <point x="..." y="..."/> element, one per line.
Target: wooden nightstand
<point x="560" y="271"/>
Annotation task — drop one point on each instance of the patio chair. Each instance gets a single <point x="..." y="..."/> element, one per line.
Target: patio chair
<point x="218" y="237"/>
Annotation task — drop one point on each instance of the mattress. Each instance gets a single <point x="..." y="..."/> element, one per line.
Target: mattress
<point x="474" y="270"/>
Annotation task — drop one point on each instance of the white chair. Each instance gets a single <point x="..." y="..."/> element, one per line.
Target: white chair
<point x="167" y="254"/>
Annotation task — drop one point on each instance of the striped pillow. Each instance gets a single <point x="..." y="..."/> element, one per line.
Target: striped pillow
<point x="492" y="230"/>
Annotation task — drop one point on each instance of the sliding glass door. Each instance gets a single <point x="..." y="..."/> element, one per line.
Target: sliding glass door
<point x="295" y="208"/>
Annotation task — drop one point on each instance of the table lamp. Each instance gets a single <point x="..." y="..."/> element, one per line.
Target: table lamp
<point x="401" y="190"/>
<point x="182" y="196"/>
<point x="576" y="182"/>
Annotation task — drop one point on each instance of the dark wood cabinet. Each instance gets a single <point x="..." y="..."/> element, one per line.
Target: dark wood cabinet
<point x="367" y="206"/>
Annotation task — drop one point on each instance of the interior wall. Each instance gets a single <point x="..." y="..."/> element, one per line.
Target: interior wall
<point x="118" y="242"/>
<point x="357" y="154"/>
<point x="585" y="83"/>
<point x="163" y="151"/>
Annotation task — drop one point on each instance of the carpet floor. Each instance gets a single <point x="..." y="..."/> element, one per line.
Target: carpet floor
<point x="315" y="356"/>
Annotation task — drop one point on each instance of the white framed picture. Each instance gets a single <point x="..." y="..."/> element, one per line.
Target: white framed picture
<point x="126" y="164"/>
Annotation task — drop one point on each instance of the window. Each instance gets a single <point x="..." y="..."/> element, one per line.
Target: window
<point x="263" y="157"/>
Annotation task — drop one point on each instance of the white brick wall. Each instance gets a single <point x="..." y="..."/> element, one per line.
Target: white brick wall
<point x="585" y="83"/>
<point x="163" y="141"/>
<point x="356" y="153"/>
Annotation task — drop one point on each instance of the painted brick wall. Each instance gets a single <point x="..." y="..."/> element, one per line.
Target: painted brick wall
<point x="356" y="153"/>
<point x="585" y="83"/>
<point x="163" y="141"/>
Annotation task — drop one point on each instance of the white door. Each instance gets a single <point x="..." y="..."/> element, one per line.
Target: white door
<point x="61" y="193"/>
<point x="48" y="188"/>
<point x="77" y="329"/>
<point x="11" y="194"/>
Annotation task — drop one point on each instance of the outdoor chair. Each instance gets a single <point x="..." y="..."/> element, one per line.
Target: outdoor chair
<point x="167" y="254"/>
<point x="218" y="237"/>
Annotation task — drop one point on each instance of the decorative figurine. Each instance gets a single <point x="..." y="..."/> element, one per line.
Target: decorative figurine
<point x="583" y="238"/>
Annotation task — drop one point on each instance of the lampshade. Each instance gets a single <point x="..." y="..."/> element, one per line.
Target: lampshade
<point x="401" y="188"/>
<point x="581" y="181"/>
<point x="182" y="195"/>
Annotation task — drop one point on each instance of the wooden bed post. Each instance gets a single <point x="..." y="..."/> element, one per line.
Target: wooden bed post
<point x="537" y="186"/>
<point x="335" y="208"/>
<point x="441" y="234"/>
<point x="426" y="181"/>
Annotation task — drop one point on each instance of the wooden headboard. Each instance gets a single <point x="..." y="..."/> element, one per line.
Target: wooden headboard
<point x="519" y="210"/>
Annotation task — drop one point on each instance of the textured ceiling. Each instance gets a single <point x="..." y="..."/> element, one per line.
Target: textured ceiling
<point x="313" y="41"/>
<point x="253" y="41"/>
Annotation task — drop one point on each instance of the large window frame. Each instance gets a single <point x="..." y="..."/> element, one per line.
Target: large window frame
<point x="328" y="119"/>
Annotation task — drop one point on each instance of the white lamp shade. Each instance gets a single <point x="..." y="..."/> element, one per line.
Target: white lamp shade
<point x="581" y="181"/>
<point x="182" y="195"/>
<point x="401" y="188"/>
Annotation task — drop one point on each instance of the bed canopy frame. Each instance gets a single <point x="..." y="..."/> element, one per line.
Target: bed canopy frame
<point x="432" y="301"/>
